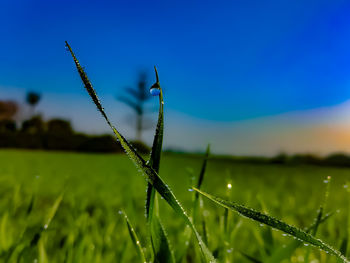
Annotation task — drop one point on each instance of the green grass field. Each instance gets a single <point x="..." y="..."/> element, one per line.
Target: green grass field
<point x="88" y="228"/>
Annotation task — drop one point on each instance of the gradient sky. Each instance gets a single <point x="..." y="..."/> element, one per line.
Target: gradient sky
<point x="221" y="63"/>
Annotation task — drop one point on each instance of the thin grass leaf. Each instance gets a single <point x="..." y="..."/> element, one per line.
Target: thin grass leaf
<point x="134" y="238"/>
<point x="275" y="223"/>
<point x="141" y="164"/>
<point x="199" y="184"/>
<point x="154" y="160"/>
<point x="195" y="207"/>
<point x="286" y="252"/>
<point x="250" y="258"/>
<point x="162" y="251"/>
<point x="50" y="215"/>
<point x="319" y="216"/>
<point x="343" y="246"/>
<point x="160" y="243"/>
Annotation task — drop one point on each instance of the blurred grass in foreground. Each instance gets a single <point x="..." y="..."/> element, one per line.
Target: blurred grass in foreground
<point x="88" y="228"/>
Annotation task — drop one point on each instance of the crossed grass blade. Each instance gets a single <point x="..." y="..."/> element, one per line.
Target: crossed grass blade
<point x="277" y="224"/>
<point x="141" y="164"/>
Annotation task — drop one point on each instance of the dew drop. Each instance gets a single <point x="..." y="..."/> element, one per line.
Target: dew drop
<point x="229" y="250"/>
<point x="190" y="190"/>
<point x="229" y="186"/>
<point x="120" y="212"/>
<point x="306" y="245"/>
<point x="345" y="186"/>
<point x="154" y="91"/>
<point x="46" y="226"/>
<point x="284" y="235"/>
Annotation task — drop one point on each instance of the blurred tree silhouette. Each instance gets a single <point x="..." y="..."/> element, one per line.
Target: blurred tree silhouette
<point x="136" y="98"/>
<point x="8" y="110"/>
<point x="34" y="125"/>
<point x="33" y="99"/>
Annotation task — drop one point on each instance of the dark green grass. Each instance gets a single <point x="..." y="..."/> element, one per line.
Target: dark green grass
<point x="88" y="227"/>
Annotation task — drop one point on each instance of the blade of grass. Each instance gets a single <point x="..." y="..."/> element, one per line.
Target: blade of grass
<point x="275" y="223"/>
<point x="160" y="244"/>
<point x="319" y="216"/>
<point x="141" y="164"/>
<point x="285" y="252"/>
<point x="195" y="204"/>
<point x="154" y="160"/>
<point x="134" y="238"/>
<point x="49" y="217"/>
<point x="250" y="258"/>
<point x="199" y="184"/>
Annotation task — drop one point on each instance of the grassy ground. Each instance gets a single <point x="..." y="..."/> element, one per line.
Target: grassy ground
<point x="88" y="228"/>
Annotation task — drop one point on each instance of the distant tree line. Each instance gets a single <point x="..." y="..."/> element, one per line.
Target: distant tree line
<point x="54" y="134"/>
<point x="335" y="159"/>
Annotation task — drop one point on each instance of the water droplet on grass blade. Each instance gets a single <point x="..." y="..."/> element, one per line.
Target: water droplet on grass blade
<point x="154" y="91"/>
<point x="190" y="189"/>
<point x="229" y="186"/>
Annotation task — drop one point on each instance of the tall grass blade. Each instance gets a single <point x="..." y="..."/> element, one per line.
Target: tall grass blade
<point x="135" y="240"/>
<point x="141" y="164"/>
<point x="160" y="244"/>
<point x="154" y="160"/>
<point x="275" y="223"/>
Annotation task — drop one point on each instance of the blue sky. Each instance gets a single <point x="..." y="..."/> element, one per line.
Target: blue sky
<point x="219" y="61"/>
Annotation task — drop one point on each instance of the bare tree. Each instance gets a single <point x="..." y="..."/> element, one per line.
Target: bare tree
<point x="135" y="98"/>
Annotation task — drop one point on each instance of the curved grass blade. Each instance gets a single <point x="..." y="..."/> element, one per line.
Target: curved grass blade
<point x="286" y="252"/>
<point x="160" y="244"/>
<point x="156" y="151"/>
<point x="275" y="223"/>
<point x="141" y="164"/>
<point x="134" y="238"/>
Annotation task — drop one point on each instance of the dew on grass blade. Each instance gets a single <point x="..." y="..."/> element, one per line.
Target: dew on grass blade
<point x="154" y="91"/>
<point x="229" y="186"/>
